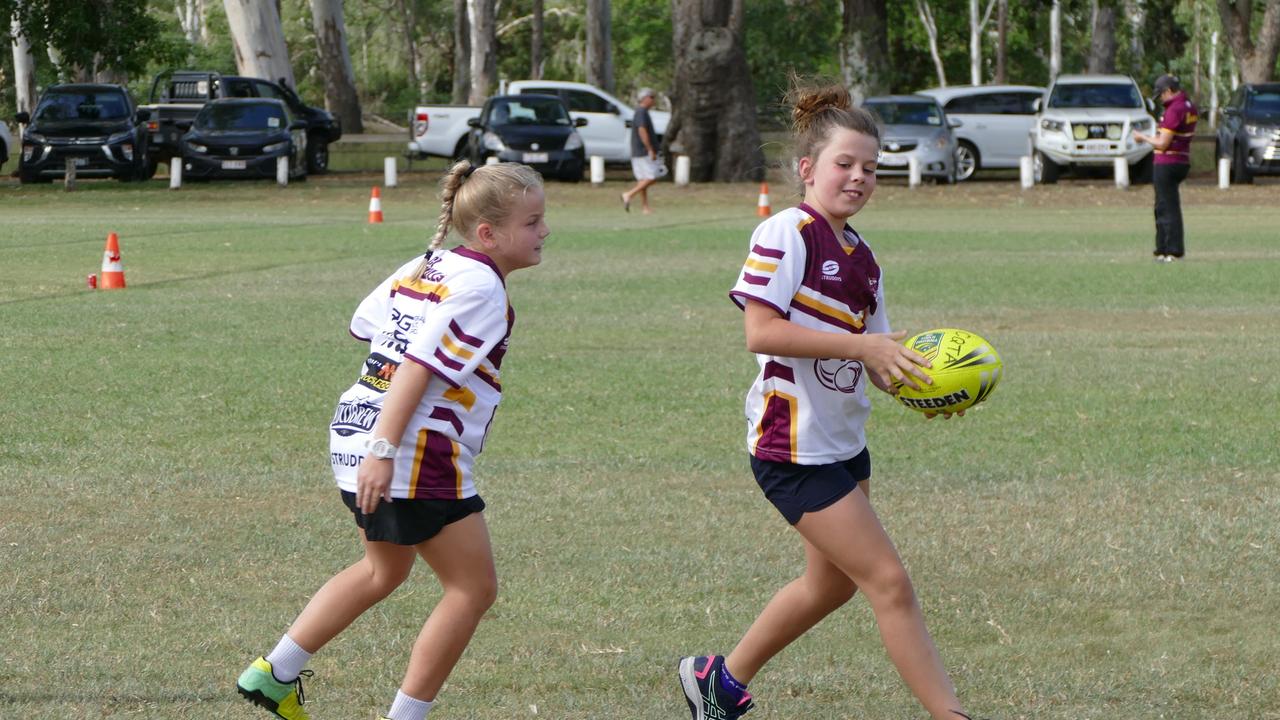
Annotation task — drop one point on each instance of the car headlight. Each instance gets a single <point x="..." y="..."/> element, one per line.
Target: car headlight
<point x="35" y="137"/>
<point x="28" y="151"/>
<point x="1080" y="132"/>
<point x="1142" y="125"/>
<point x="1259" y="130"/>
<point x="1051" y="125"/>
<point x="274" y="147"/>
<point x="197" y="147"/>
<point x="574" y="142"/>
<point x="491" y="141"/>
<point x="127" y="150"/>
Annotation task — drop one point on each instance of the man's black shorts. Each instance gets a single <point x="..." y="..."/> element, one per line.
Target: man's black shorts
<point x="409" y="522"/>
<point x="797" y="489"/>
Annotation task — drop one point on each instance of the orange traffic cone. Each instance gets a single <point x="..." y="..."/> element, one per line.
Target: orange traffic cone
<point x="112" y="268"/>
<point x="762" y="206"/>
<point x="375" y="206"/>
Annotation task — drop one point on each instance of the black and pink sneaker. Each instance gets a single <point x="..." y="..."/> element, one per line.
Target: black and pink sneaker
<point x="707" y="698"/>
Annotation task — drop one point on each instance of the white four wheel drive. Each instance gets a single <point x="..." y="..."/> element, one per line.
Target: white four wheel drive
<point x="1088" y="120"/>
<point x="442" y="129"/>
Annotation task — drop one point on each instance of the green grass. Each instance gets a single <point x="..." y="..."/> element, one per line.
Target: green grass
<point x="1098" y="541"/>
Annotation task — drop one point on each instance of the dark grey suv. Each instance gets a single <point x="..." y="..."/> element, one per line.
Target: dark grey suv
<point x="1249" y="131"/>
<point x="95" y="127"/>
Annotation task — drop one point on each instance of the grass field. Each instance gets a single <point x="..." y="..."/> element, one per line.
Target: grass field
<point x="1098" y="541"/>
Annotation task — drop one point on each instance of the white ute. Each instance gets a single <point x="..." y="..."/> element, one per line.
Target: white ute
<point x="1088" y="120"/>
<point x="441" y="130"/>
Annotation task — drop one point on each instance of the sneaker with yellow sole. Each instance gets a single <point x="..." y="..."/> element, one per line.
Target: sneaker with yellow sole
<point x="259" y="686"/>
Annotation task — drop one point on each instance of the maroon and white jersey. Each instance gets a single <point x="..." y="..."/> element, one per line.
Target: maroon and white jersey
<point x="801" y="410"/>
<point x="454" y="319"/>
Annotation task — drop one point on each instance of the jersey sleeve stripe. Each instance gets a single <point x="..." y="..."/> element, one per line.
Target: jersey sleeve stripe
<point x="763" y="251"/>
<point x="468" y="339"/>
<point x="435" y="292"/>
<point x="761" y="266"/>
<point x="455" y="348"/>
<point x="434" y="370"/>
<point x="448" y="362"/>
<point x="741" y="299"/>
<point x="488" y="379"/>
<point x="775" y="369"/>
<point x="750" y="279"/>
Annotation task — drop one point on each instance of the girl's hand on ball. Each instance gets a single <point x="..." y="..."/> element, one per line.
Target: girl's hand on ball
<point x="945" y="415"/>
<point x="890" y="362"/>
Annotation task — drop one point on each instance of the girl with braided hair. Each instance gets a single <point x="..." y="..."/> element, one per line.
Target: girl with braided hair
<point x="815" y="317"/>
<point x="405" y="435"/>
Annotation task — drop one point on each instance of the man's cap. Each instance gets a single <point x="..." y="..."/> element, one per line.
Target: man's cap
<point x="646" y="92"/>
<point x="1167" y="82"/>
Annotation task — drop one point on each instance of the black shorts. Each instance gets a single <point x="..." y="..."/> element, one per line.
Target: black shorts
<point x="797" y="489"/>
<point x="409" y="522"/>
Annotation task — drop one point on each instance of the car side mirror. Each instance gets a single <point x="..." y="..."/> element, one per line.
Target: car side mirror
<point x="1151" y="106"/>
<point x="143" y="114"/>
<point x="23" y="118"/>
<point x="1035" y="105"/>
<point x="953" y="122"/>
<point x="614" y="109"/>
<point x="473" y="122"/>
<point x="579" y="122"/>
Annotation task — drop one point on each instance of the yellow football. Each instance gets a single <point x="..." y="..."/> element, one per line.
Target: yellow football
<point x="965" y="370"/>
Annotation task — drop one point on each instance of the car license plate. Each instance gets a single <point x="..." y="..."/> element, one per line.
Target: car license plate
<point x="81" y="162"/>
<point x="233" y="165"/>
<point x="536" y="157"/>
<point x="893" y="160"/>
<point x="1097" y="147"/>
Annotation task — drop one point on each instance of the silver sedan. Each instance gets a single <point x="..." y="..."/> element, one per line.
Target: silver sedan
<point x="914" y="127"/>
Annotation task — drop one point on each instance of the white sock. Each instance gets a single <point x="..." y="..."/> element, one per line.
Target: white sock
<point x="407" y="708"/>
<point x="287" y="660"/>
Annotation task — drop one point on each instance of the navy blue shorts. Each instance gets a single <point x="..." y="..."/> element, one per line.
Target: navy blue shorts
<point x="409" y="522"/>
<point x="797" y="489"/>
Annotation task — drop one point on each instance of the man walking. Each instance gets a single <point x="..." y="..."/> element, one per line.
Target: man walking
<point x="1172" y="143"/>
<point x="644" y="153"/>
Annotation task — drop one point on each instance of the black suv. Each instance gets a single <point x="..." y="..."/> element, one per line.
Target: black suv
<point x="97" y="127"/>
<point x="176" y="97"/>
<point x="1249" y="132"/>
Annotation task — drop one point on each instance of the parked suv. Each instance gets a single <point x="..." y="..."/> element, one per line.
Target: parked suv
<point x="1249" y="132"/>
<point x="95" y="126"/>
<point x="1088" y="120"/>
<point x="6" y="142"/>
<point x="997" y="122"/>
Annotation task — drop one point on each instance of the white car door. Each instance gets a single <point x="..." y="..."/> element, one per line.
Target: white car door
<point x="606" y="132"/>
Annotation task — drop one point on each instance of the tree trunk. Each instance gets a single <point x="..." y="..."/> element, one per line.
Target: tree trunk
<point x="484" y="55"/>
<point x="1002" y="42"/>
<point x="599" y="47"/>
<point x="931" y="29"/>
<point x="1213" y="80"/>
<point x="976" y="24"/>
<point x="1257" y="60"/>
<point x="1137" y="19"/>
<point x="413" y="59"/>
<point x="1102" y="53"/>
<point x="340" y="96"/>
<point x="714" y="105"/>
<point x="258" y="39"/>
<point x="461" y="53"/>
<point x="190" y="19"/>
<point x="864" y="49"/>
<point x="24" y="70"/>
<point x="535" y="42"/>
<point x="1055" y="40"/>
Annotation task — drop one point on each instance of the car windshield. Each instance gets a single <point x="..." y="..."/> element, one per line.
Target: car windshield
<point x="1095" y="95"/>
<point x="529" y="111"/>
<point x="906" y="113"/>
<point x="1265" y="102"/>
<point x="82" y="105"/>
<point x="240" y="116"/>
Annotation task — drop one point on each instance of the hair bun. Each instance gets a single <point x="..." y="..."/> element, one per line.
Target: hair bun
<point x="809" y="102"/>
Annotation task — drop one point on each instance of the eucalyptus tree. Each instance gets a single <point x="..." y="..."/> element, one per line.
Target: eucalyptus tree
<point x="334" y="64"/>
<point x="864" y="48"/>
<point x="1257" y="58"/>
<point x="258" y="39"/>
<point x="599" y="64"/>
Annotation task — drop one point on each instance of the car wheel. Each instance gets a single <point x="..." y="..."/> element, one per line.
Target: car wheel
<point x="1240" y="174"/>
<point x="1046" y="171"/>
<point x="967" y="161"/>
<point x="317" y="156"/>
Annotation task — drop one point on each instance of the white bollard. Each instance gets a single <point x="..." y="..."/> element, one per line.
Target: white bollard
<point x="682" y="170"/>
<point x="1224" y="173"/>
<point x="282" y="170"/>
<point x="389" y="172"/>
<point x="1122" y="173"/>
<point x="597" y="170"/>
<point x="1027" y="172"/>
<point x="913" y="171"/>
<point x="175" y="173"/>
<point x="492" y="160"/>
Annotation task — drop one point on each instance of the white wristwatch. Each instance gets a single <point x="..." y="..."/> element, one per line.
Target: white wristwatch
<point x="381" y="448"/>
